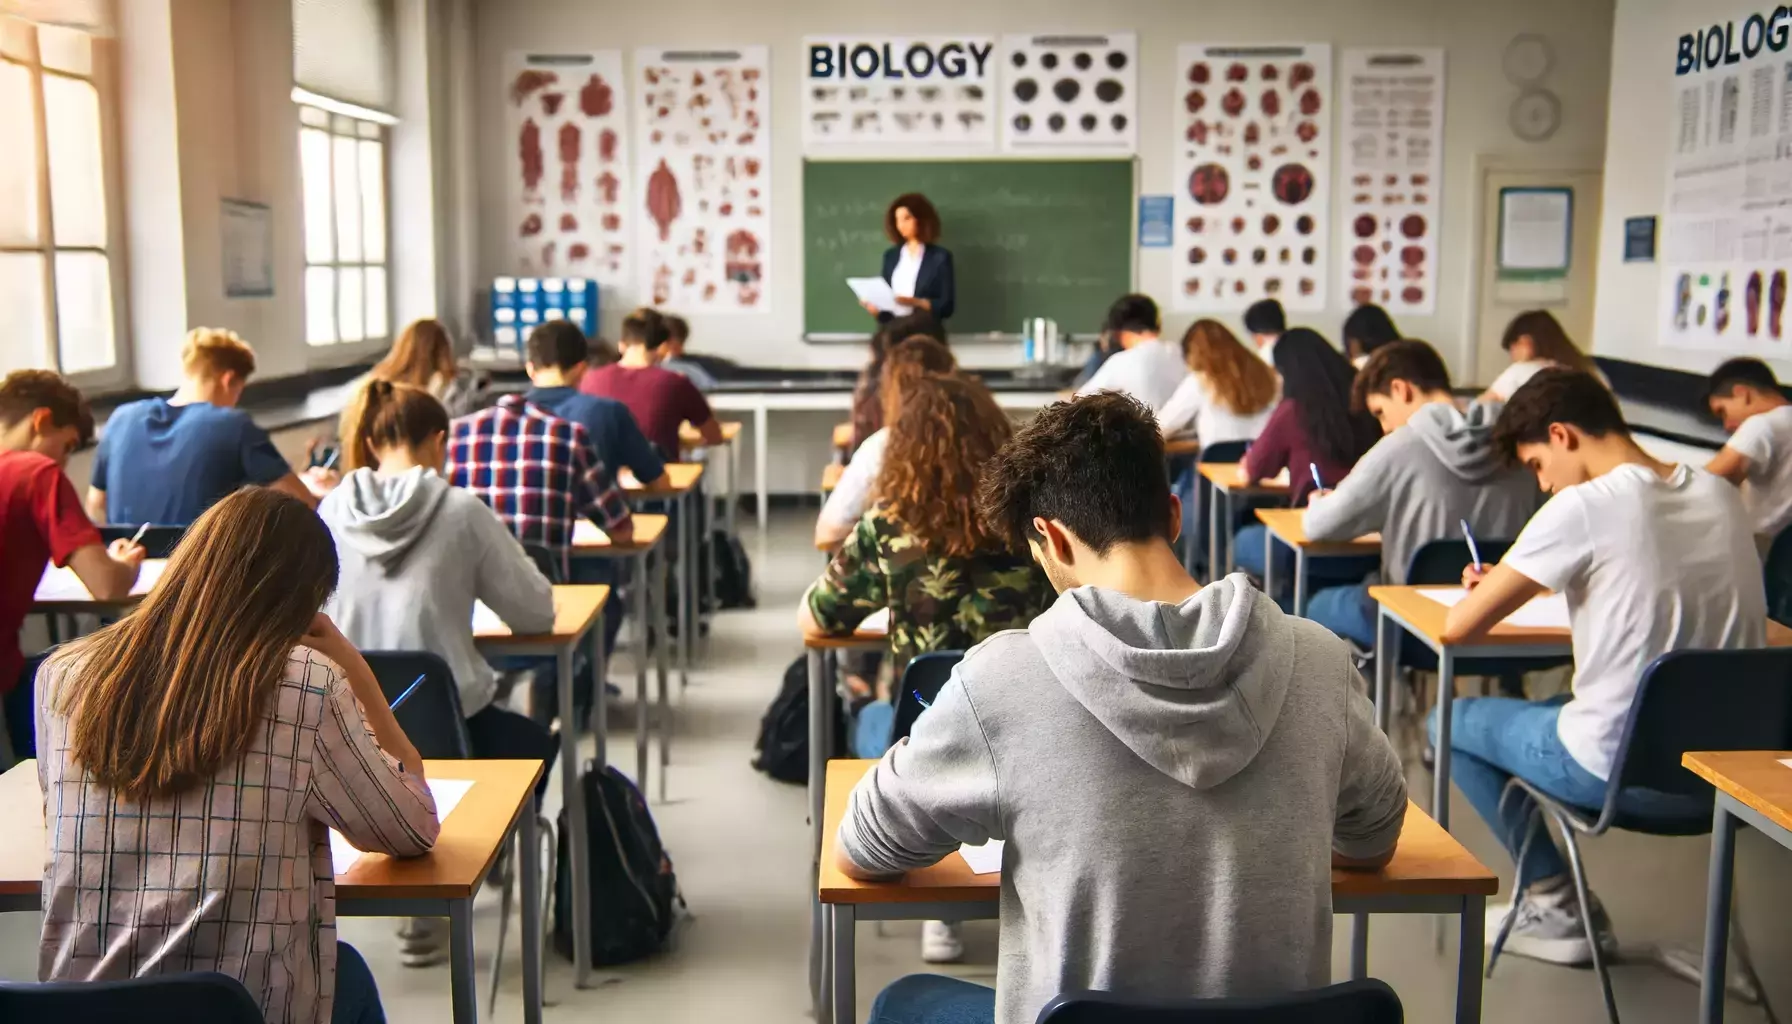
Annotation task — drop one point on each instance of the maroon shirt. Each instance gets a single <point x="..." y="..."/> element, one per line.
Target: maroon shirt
<point x="41" y="521"/>
<point x="1284" y="445"/>
<point x="660" y="400"/>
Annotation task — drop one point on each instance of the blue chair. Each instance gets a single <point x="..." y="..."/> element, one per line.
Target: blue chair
<point x="1367" y="1001"/>
<point x="1687" y="700"/>
<point x="925" y="675"/>
<point x="158" y="541"/>
<point x="157" y="999"/>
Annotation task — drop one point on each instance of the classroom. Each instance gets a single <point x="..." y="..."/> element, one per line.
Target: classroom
<point x="1164" y="511"/>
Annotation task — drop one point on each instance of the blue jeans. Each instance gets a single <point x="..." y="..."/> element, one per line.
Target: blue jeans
<point x="1346" y="611"/>
<point x="871" y="729"/>
<point x="357" y="997"/>
<point x="933" y="999"/>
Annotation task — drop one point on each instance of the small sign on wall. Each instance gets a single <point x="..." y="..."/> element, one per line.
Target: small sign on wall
<point x="1155" y="216"/>
<point x="1639" y="239"/>
<point x="248" y="249"/>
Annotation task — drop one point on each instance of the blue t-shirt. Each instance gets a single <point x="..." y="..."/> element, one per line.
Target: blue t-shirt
<point x="612" y="428"/>
<point x="166" y="464"/>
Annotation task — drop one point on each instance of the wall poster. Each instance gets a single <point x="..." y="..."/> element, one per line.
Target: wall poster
<point x="569" y="172"/>
<point x="862" y="90"/>
<point x="1070" y="93"/>
<point x="1391" y="150"/>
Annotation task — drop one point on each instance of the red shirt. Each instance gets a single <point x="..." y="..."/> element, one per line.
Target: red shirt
<point x="1284" y="444"/>
<point x="659" y="399"/>
<point x="41" y="520"/>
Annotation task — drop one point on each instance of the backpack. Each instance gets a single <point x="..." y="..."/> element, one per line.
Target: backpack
<point x="783" y="747"/>
<point x="634" y="892"/>
<point x="733" y="571"/>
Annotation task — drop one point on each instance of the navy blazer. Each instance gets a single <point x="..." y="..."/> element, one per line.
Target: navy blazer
<point x="935" y="283"/>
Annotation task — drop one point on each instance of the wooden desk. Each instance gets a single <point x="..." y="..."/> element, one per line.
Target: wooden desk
<point x="1223" y="482"/>
<point x="61" y="592"/>
<point x="1431" y="873"/>
<point x="1288" y="526"/>
<point x="830" y="477"/>
<point x="680" y="478"/>
<point x="679" y="485"/>
<point x="1753" y="788"/>
<point x="843" y="443"/>
<point x="689" y="438"/>
<point x="441" y="883"/>
<point x="650" y="603"/>
<point x="1182" y="446"/>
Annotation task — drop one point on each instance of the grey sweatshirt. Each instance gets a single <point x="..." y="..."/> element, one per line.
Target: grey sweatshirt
<point x="1420" y="482"/>
<point x="415" y="554"/>
<point x="1171" y="781"/>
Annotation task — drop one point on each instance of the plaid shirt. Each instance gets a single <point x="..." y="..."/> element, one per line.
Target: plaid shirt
<point x="537" y="471"/>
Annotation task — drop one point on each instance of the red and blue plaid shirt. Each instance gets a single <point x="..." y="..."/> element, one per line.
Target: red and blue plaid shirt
<point x="538" y="472"/>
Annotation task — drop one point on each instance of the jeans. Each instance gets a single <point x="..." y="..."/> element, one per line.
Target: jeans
<point x="357" y="997"/>
<point x="871" y="729"/>
<point x="1331" y="571"/>
<point x="1494" y="738"/>
<point x="496" y="734"/>
<point x="1346" y="611"/>
<point x="934" y="999"/>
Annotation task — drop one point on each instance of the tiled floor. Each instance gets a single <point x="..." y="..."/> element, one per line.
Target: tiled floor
<point x="739" y="842"/>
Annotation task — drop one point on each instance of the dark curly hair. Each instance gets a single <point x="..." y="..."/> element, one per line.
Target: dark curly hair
<point x="1556" y="395"/>
<point x="946" y="431"/>
<point x="927" y="219"/>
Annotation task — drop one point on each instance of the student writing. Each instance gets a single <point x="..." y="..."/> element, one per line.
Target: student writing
<point x="867" y="395"/>
<point x="1367" y="328"/>
<point x="1758" y="456"/>
<point x="1265" y="322"/>
<point x="1145" y="367"/>
<point x="1535" y="340"/>
<point x="682" y="363"/>
<point x="1228" y="394"/>
<point x="661" y="401"/>
<point x="556" y="361"/>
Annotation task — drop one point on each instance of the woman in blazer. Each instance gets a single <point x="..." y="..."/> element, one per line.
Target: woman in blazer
<point x="919" y="272"/>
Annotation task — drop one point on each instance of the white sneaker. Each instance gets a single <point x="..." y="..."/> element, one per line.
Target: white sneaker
<point x="421" y="942"/>
<point x="1549" y="928"/>
<point x="941" y="942"/>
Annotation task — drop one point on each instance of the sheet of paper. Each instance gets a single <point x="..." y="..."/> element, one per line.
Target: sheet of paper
<point x="1548" y="612"/>
<point x="985" y="859"/>
<point x="64" y="585"/>
<point x="487" y="621"/>
<point x="584" y="531"/>
<point x="876" y="291"/>
<point x="877" y="622"/>
<point x="448" y="793"/>
<point x="1281" y="479"/>
<point x="1787" y="761"/>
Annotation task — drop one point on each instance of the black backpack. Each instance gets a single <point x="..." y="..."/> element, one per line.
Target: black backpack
<point x="634" y="892"/>
<point x="733" y="571"/>
<point x="784" y="729"/>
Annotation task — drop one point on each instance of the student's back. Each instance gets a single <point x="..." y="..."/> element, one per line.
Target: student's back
<point x="166" y="464"/>
<point x="660" y="400"/>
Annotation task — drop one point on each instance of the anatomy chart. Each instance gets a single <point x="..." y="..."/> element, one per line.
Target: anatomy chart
<point x="703" y="149"/>
<point x="1252" y="173"/>
<point x="569" y="168"/>
<point x="1070" y="93"/>
<point x="1392" y="136"/>
<point x="860" y="90"/>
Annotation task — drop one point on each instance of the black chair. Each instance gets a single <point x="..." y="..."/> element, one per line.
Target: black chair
<point x="547" y="562"/>
<point x="158" y="541"/>
<point x="158" y="999"/>
<point x="1439" y="563"/>
<point x="1687" y="700"/>
<point x="431" y="717"/>
<point x="1778" y="576"/>
<point x="1368" y="1001"/>
<point x="925" y="675"/>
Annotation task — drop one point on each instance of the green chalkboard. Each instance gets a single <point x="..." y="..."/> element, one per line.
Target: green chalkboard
<point x="1029" y="238"/>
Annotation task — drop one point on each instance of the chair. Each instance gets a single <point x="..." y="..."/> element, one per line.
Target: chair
<point x="547" y="562"/>
<point x="1778" y="577"/>
<point x="925" y="675"/>
<point x="1440" y="563"/>
<point x="159" y="541"/>
<point x="1687" y="700"/>
<point x="1367" y="1001"/>
<point x="157" y="999"/>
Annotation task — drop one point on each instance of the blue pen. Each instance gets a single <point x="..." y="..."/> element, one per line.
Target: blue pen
<point x="1313" y="468"/>
<point x="408" y="691"/>
<point x="1473" y="551"/>
<point x="920" y="699"/>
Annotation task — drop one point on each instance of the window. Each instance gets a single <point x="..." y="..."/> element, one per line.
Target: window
<point x="58" y="280"/>
<point x="343" y="167"/>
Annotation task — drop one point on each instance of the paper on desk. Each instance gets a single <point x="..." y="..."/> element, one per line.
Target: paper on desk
<point x="585" y="532"/>
<point x="877" y="622"/>
<point x="63" y="585"/>
<point x="1787" y="761"/>
<point x="447" y="793"/>
<point x="985" y="859"/>
<point x="876" y="291"/>
<point x="1550" y="612"/>
<point x="486" y="621"/>
<point x="1281" y="479"/>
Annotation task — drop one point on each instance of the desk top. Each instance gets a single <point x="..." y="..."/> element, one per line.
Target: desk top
<point x="679" y="478"/>
<point x="689" y="438"/>
<point x="1224" y="475"/>
<point x="60" y="590"/>
<point x="1428" y="862"/>
<point x="1288" y="524"/>
<point x="873" y="639"/>
<point x="830" y="476"/>
<point x="1182" y="446"/>
<point x="1427" y="616"/>
<point x="588" y="540"/>
<point x="576" y="607"/>
<point x="471" y="836"/>
<point x="843" y="435"/>
<point x="1754" y="777"/>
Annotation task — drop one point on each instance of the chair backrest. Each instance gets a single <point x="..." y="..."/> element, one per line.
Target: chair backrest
<point x="1777" y="574"/>
<point x="431" y="717"/>
<point x="1368" y="1001"/>
<point x="159" y="541"/>
<point x="924" y="675"/>
<point x="158" y="999"/>
<point x="1440" y="562"/>
<point x="1702" y="700"/>
<point x="1224" y="451"/>
<point x="546" y="561"/>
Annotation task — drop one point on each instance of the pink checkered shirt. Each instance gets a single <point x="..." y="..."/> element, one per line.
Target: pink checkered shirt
<point x="232" y="875"/>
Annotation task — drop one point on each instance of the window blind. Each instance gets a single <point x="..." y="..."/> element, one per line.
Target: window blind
<point x="93" y="16"/>
<point x="343" y="49"/>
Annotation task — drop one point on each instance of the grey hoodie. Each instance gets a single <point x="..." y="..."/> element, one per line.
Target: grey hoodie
<point x="1171" y="781"/>
<point x="415" y="554"/>
<point x="1420" y="482"/>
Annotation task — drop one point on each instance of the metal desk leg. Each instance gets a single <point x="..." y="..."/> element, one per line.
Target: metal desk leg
<point x="1269" y="564"/>
<point x="1223" y="499"/>
<point x="528" y="852"/>
<point x="842" y="925"/>
<point x="759" y="456"/>
<point x="642" y="600"/>
<point x="1359" y="946"/>
<point x="1717" y="914"/>
<point x="1213" y="527"/>
<point x="573" y="796"/>
<point x="1300" y="581"/>
<point x="463" y="979"/>
<point x="734" y="487"/>
<point x="600" y="708"/>
<point x="1446" y="696"/>
<point x="818" y="733"/>
<point x="1387" y="652"/>
<point x="1468" y="960"/>
<point x="702" y="536"/>
<point x="687" y="581"/>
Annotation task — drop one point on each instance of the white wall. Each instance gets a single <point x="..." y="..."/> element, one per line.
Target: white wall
<point x="1473" y="32"/>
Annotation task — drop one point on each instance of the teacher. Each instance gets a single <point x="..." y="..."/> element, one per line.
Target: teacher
<point x="919" y="272"/>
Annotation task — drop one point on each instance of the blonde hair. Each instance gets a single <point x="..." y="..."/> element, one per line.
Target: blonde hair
<point x="214" y="351"/>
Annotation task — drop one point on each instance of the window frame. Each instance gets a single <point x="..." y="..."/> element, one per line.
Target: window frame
<point x="360" y="118"/>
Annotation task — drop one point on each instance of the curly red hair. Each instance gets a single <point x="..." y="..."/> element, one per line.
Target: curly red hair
<point x="945" y="432"/>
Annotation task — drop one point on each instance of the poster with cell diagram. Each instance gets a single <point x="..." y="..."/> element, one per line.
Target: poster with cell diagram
<point x="1070" y="93"/>
<point x="569" y="170"/>
<point x="1726" y="231"/>
<point x="866" y="91"/>
<point x="1253" y="174"/>
<point x="703" y="163"/>
<point x="1390" y="139"/>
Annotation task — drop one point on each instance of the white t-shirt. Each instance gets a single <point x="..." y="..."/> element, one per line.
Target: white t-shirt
<point x="1194" y="410"/>
<point x="1648" y="566"/>
<point x="852" y="496"/>
<point x="1766" y="441"/>
<point x="908" y="267"/>
<point x="1149" y="372"/>
<point x="1514" y="377"/>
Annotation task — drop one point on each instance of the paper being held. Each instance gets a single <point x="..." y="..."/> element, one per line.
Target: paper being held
<point x="875" y="291"/>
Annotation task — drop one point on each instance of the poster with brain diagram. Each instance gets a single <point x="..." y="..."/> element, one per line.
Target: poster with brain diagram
<point x="569" y="168"/>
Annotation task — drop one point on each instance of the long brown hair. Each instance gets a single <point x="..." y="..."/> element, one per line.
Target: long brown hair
<point x="1240" y="380"/>
<point x="166" y="696"/>
<point x="423" y="354"/>
<point x="908" y="360"/>
<point x="1549" y="341"/>
<point x="945" y="431"/>
<point x="387" y="415"/>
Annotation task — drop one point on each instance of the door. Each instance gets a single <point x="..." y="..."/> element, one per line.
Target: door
<point x="1500" y="299"/>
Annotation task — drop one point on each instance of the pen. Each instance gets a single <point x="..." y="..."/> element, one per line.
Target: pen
<point x="1473" y="551"/>
<point x="408" y="691"/>
<point x="141" y="530"/>
<point x="330" y="462"/>
<point x="920" y="699"/>
<point x="1313" y="468"/>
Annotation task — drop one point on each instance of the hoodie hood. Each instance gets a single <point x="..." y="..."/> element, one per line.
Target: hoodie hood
<point x="1462" y="441"/>
<point x="1205" y="679"/>
<point x="382" y="518"/>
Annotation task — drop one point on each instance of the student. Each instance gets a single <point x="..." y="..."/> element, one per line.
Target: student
<point x="1433" y="471"/>
<point x="1228" y="394"/>
<point x="677" y="332"/>
<point x="423" y="356"/>
<point x="1534" y="340"/>
<point x="1313" y="427"/>
<point x="1105" y="347"/>
<point x="556" y="363"/>
<point x="1653" y="557"/>
<point x="867" y="401"/>
<point x="841" y="513"/>
<point x="1758" y="456"/>
<point x="1146" y="367"/>
<point x="166" y="460"/>
<point x="1265" y="322"/>
<point x="227" y="704"/>
<point x="660" y="400"/>
<point x="42" y="420"/>
<point x="1175" y="769"/>
<point x="1367" y="328"/>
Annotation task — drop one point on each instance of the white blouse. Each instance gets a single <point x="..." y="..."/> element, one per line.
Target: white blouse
<point x="852" y="496"/>
<point x="908" y="267"/>
<point x="1193" y="409"/>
